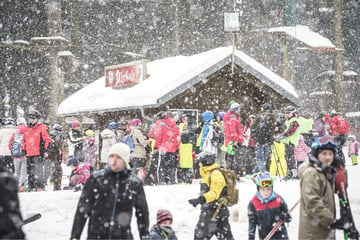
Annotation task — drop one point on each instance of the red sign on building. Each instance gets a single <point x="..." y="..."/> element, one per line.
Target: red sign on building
<point x="124" y="75"/>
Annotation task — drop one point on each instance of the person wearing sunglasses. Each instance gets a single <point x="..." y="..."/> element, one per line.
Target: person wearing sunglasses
<point x="317" y="205"/>
<point x="35" y="144"/>
<point x="267" y="208"/>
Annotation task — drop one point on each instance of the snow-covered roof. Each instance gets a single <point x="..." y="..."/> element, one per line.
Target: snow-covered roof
<point x="56" y="38"/>
<point x="65" y="54"/>
<point x="348" y="73"/>
<point x="320" y="93"/>
<point x="303" y="34"/>
<point x="352" y="114"/>
<point x="21" y="42"/>
<point x="168" y="78"/>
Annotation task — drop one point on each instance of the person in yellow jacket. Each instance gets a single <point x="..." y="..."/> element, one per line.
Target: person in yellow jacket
<point x="186" y="158"/>
<point x="211" y="188"/>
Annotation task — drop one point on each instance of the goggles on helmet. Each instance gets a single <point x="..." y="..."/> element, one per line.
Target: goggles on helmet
<point x="265" y="183"/>
<point x="326" y="141"/>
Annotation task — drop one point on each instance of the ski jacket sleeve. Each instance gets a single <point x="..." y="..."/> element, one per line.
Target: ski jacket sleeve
<point x="142" y="211"/>
<point x="291" y="130"/>
<point x="83" y="209"/>
<point x="11" y="140"/>
<point x="217" y="183"/>
<point x="252" y="221"/>
<point x="46" y="138"/>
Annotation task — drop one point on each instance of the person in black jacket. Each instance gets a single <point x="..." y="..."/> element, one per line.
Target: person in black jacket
<point x="108" y="198"/>
<point x="10" y="217"/>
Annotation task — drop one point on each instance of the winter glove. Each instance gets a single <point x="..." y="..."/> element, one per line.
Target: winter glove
<point x="285" y="217"/>
<point x="196" y="201"/>
<point x="24" y="152"/>
<point x="340" y="224"/>
<point x="353" y="233"/>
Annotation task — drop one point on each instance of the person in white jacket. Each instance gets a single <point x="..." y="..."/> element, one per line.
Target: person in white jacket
<point x="108" y="136"/>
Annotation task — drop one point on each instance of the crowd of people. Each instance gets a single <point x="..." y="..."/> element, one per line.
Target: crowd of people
<point x="285" y="144"/>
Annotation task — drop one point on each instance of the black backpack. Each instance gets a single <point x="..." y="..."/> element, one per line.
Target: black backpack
<point x="218" y="136"/>
<point x="16" y="145"/>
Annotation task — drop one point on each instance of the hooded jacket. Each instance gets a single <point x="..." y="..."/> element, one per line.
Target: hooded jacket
<point x="108" y="139"/>
<point x="317" y="205"/>
<point x="109" y="197"/>
<point x="232" y="128"/>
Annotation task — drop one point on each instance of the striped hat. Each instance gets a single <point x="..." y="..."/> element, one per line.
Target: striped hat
<point x="162" y="216"/>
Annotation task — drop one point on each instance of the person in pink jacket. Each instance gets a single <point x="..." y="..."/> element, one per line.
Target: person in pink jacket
<point x="353" y="150"/>
<point x="301" y="152"/>
<point x="79" y="174"/>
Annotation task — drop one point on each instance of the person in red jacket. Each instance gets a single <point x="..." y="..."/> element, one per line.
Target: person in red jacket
<point x="35" y="145"/>
<point x="233" y="135"/>
<point x="339" y="129"/>
<point x="169" y="143"/>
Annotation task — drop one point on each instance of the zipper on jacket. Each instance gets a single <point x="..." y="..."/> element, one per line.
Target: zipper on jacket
<point x="112" y="222"/>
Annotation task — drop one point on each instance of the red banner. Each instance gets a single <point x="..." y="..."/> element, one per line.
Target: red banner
<point x="125" y="74"/>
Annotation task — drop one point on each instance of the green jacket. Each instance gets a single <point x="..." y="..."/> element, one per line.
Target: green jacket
<point x="294" y="138"/>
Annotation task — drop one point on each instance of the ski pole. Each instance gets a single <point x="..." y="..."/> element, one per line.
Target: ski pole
<point x="279" y="223"/>
<point x="32" y="218"/>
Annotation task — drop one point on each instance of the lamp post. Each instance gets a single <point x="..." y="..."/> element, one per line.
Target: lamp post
<point x="232" y="25"/>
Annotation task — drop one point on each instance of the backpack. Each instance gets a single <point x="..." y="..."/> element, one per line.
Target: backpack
<point x="343" y="127"/>
<point x="16" y="145"/>
<point x="230" y="194"/>
<point x="128" y="141"/>
<point x="217" y="139"/>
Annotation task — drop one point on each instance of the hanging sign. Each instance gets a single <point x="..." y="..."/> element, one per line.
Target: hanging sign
<point x="125" y="75"/>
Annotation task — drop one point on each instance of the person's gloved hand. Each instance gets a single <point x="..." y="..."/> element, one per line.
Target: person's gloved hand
<point x="285" y="217"/>
<point x="196" y="201"/>
<point x="353" y="233"/>
<point x="340" y="224"/>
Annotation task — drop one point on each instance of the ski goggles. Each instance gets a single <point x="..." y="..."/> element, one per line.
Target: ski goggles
<point x="327" y="140"/>
<point x="265" y="183"/>
<point x="31" y="116"/>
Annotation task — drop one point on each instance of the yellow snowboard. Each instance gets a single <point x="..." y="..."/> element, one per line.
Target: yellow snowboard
<point x="278" y="165"/>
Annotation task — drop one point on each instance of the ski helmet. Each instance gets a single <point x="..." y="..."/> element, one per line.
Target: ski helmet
<point x="290" y="109"/>
<point x="221" y="115"/>
<point x="21" y="121"/>
<point x="206" y="158"/>
<point x="323" y="143"/>
<point x="135" y="122"/>
<point x="263" y="179"/>
<point x="89" y="133"/>
<point x="57" y="127"/>
<point x="266" y="106"/>
<point x="112" y="125"/>
<point x="35" y="114"/>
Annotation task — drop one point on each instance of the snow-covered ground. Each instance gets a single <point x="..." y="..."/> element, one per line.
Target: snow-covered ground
<point x="58" y="208"/>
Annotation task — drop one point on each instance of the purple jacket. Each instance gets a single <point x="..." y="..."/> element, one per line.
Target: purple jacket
<point x="319" y="125"/>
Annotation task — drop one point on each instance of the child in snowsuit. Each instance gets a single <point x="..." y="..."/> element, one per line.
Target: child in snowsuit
<point x="79" y="174"/>
<point x="353" y="150"/>
<point x="162" y="229"/>
<point x="301" y="151"/>
<point x="266" y="208"/>
<point x="90" y="149"/>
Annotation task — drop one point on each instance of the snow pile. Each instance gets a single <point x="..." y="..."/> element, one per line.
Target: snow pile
<point x="58" y="208"/>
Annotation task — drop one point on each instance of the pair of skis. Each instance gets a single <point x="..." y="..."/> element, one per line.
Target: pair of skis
<point x="279" y="223"/>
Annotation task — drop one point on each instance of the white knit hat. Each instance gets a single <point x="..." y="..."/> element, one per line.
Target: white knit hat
<point x="21" y="121"/>
<point x="122" y="150"/>
<point x="234" y="105"/>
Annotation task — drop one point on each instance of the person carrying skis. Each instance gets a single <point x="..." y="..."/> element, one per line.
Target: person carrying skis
<point x="212" y="185"/>
<point x="317" y="206"/>
<point x="266" y="208"/>
<point x="108" y="199"/>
